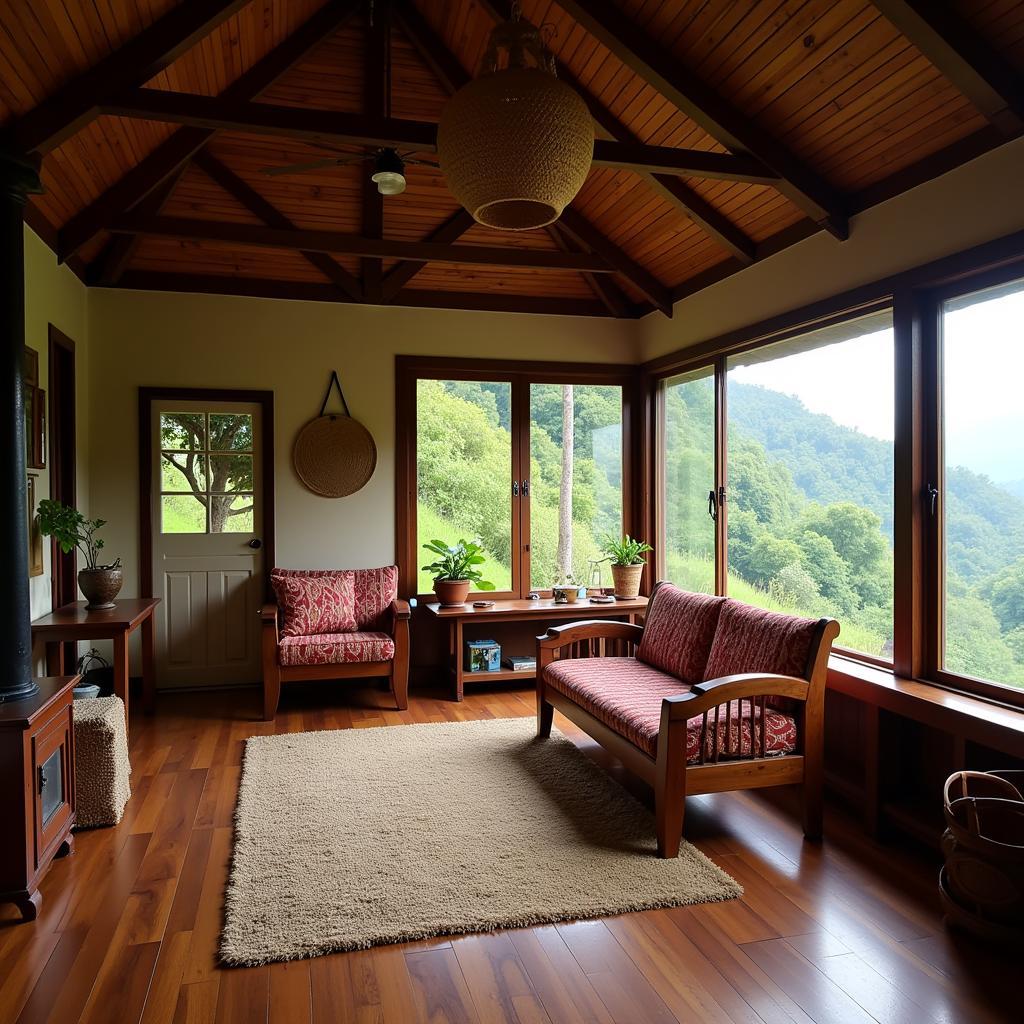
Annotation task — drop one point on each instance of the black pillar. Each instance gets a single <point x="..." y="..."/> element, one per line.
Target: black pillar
<point x="19" y="176"/>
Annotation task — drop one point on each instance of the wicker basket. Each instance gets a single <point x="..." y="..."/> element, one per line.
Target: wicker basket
<point x="334" y="455"/>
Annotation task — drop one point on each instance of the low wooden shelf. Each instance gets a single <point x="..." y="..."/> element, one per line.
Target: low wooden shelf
<point x="544" y="613"/>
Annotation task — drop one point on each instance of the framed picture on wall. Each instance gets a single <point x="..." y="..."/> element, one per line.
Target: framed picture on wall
<point x="35" y="412"/>
<point x="39" y="430"/>
<point x="35" y="537"/>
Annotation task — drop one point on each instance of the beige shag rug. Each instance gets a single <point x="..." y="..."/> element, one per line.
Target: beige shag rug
<point x="358" y="837"/>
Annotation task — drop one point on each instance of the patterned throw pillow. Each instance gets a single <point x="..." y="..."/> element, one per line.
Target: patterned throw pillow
<point x="316" y="602"/>
<point x="751" y="639"/>
<point x="679" y="628"/>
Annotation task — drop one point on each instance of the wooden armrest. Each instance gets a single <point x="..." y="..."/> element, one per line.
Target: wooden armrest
<point x="400" y="609"/>
<point x="268" y="613"/>
<point x="590" y="629"/>
<point x="705" y="696"/>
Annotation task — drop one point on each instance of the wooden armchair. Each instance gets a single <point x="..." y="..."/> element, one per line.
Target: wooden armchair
<point x="740" y="730"/>
<point x="378" y="647"/>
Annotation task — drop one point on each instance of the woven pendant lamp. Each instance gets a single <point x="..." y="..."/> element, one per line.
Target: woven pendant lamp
<point x="516" y="144"/>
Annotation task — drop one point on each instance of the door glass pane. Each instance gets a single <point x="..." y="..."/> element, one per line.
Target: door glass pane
<point x="230" y="432"/>
<point x="575" y="478"/>
<point x="230" y="473"/>
<point x="231" y="513"/>
<point x="810" y="478"/>
<point x="183" y="471"/>
<point x="464" y="471"/>
<point x="983" y="502"/>
<point x="688" y="543"/>
<point x="52" y="784"/>
<point x="182" y="513"/>
<point x="183" y="431"/>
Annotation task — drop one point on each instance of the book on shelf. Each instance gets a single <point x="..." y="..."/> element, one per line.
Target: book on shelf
<point x="520" y="663"/>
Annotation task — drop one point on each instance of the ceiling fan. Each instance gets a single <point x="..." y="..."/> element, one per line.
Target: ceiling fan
<point x="388" y="167"/>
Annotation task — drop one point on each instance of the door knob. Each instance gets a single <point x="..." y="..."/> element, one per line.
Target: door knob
<point x="255" y="543"/>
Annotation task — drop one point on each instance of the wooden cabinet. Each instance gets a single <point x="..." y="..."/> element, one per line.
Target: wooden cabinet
<point x="37" y="789"/>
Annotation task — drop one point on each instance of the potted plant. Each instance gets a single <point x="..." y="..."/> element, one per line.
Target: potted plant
<point x="99" y="583"/>
<point x="627" y="558"/>
<point x="455" y="570"/>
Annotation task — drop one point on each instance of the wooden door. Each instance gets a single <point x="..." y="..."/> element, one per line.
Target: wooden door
<point x="207" y="549"/>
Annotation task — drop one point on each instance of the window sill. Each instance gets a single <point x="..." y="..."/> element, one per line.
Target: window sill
<point x="976" y="719"/>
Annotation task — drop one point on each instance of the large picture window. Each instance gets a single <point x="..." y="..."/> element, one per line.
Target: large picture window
<point x="982" y="501"/>
<point x="531" y="465"/>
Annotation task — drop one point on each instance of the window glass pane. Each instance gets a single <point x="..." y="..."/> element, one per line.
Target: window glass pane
<point x="464" y="471"/>
<point x="689" y="453"/>
<point x="810" y="479"/>
<point x="230" y="473"/>
<point x="182" y="513"/>
<point x="183" y="431"/>
<point x="983" y="365"/>
<point x="180" y="471"/>
<point x="231" y="513"/>
<point x="575" y="489"/>
<point x="230" y="432"/>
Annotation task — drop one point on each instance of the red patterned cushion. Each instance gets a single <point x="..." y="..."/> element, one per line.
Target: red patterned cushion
<point x="626" y="695"/>
<point x="376" y="590"/>
<point x="335" y="649"/>
<point x="750" y="639"/>
<point x="679" y="628"/>
<point x="315" y="602"/>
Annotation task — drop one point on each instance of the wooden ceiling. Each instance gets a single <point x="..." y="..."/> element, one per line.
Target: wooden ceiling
<point x="779" y="118"/>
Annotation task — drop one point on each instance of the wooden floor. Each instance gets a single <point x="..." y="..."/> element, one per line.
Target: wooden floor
<point x="846" y="932"/>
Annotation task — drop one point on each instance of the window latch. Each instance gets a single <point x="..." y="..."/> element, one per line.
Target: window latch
<point x="721" y="497"/>
<point x="526" y="488"/>
<point x="515" y="488"/>
<point x="712" y="505"/>
<point x="933" y="497"/>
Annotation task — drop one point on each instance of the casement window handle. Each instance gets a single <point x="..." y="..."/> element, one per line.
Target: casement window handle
<point x="526" y="488"/>
<point x="515" y="488"/>
<point x="712" y="504"/>
<point x="933" y="498"/>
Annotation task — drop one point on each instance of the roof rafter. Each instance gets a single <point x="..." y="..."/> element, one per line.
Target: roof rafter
<point x="77" y="102"/>
<point x="401" y="274"/>
<point x="951" y="44"/>
<point x="171" y="154"/>
<point x="656" y="66"/>
<point x="273" y="217"/>
<point x="376" y="101"/>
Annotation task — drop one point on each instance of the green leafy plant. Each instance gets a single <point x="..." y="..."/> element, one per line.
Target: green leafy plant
<point x="626" y="551"/>
<point x="458" y="562"/>
<point x="72" y="530"/>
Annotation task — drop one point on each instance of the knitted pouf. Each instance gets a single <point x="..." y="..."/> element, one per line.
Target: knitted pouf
<point x="101" y="761"/>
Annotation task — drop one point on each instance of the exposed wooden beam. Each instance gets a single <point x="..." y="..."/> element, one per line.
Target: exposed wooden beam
<point x="171" y="154"/>
<point x="354" y="245"/>
<point x="402" y="273"/>
<point x="273" y="217"/>
<point x="947" y="39"/>
<point x="587" y="235"/>
<point x="376" y="102"/>
<point x="78" y="101"/>
<point x="695" y="163"/>
<point x="311" y="291"/>
<point x="603" y="287"/>
<point x="704" y="105"/>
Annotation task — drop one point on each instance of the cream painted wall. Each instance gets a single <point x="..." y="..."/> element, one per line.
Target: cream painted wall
<point x="151" y="338"/>
<point x="53" y="294"/>
<point x="975" y="203"/>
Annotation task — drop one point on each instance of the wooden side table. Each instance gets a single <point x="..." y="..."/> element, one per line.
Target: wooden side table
<point x="37" y="789"/>
<point x="544" y="613"/>
<point x="74" y="622"/>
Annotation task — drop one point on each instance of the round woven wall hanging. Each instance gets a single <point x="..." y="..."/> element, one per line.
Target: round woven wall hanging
<point x="334" y="454"/>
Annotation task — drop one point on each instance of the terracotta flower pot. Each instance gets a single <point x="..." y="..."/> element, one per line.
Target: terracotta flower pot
<point x="451" y="593"/>
<point x="100" y="587"/>
<point x="627" y="580"/>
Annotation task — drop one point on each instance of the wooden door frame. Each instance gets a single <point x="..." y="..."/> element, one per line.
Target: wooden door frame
<point x="149" y="395"/>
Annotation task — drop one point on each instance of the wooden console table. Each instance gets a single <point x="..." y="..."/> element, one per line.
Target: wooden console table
<point x="74" y="622"/>
<point x="544" y="612"/>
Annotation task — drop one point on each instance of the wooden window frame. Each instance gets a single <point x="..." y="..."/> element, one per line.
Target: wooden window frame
<point x="520" y="374"/>
<point x="915" y="297"/>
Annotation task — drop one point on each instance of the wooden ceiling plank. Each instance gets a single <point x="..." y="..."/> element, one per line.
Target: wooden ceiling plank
<point x="273" y="217"/>
<point x="402" y="273"/>
<point x="964" y="58"/>
<point x="705" y="106"/>
<point x="376" y="102"/>
<point x="77" y="102"/>
<point x="339" y="242"/>
<point x="182" y="145"/>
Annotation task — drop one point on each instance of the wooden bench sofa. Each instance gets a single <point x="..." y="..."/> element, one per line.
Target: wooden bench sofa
<point x="709" y="695"/>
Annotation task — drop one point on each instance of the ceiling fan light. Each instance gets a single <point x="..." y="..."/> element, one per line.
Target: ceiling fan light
<point x="389" y="183"/>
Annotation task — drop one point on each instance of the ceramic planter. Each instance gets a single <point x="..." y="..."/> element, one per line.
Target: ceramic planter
<point x="451" y="593"/>
<point x="627" y="580"/>
<point x="100" y="587"/>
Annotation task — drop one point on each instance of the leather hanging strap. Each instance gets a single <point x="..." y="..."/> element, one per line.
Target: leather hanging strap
<point x="334" y="383"/>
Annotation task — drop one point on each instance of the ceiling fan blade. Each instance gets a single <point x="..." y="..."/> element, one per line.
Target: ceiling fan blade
<point x="423" y="163"/>
<point x="312" y="165"/>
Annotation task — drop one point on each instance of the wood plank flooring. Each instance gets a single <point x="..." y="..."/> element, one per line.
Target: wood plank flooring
<point x="847" y="932"/>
